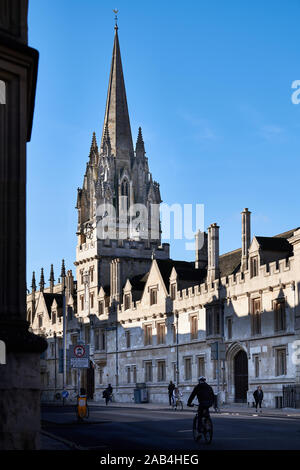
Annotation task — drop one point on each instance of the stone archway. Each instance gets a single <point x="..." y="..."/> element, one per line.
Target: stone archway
<point x="237" y="373"/>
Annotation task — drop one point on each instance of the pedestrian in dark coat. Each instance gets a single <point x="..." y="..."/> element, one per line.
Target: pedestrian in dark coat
<point x="258" y="397"/>
<point x="171" y="388"/>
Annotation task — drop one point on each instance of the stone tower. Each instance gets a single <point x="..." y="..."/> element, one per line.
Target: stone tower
<point x="118" y="204"/>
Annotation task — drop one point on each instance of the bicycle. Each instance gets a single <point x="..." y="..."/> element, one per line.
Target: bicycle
<point x="177" y="405"/>
<point x="207" y="427"/>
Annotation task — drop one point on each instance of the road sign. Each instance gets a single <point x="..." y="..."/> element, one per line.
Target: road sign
<point x="65" y="394"/>
<point x="79" y="356"/>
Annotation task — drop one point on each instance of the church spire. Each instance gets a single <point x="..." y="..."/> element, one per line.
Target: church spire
<point x="116" y="113"/>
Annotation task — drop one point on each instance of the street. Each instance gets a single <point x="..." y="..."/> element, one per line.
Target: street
<point x="120" y="428"/>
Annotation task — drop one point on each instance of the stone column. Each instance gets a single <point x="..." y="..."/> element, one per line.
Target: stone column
<point x="20" y="376"/>
<point x="246" y="238"/>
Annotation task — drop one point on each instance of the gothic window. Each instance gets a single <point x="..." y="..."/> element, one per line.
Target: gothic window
<point x="201" y="366"/>
<point x="124" y="188"/>
<point x="40" y="321"/>
<point x="254" y="266"/>
<point x="173" y="291"/>
<point x="92" y="300"/>
<point x="148" y="371"/>
<point x="127" y="301"/>
<point x="256" y="365"/>
<point x="161" y="371"/>
<point x="161" y="333"/>
<point x="256" y="316"/>
<point x="99" y="336"/>
<point x="188" y="368"/>
<point x="194" y="327"/>
<point x="153" y="296"/>
<point x="279" y="314"/>
<point x="82" y="302"/>
<point x="128" y="374"/>
<point x="280" y="363"/>
<point x="213" y="321"/>
<point x="127" y="334"/>
<point x="101" y="307"/>
<point x="92" y="274"/>
<point x="53" y="318"/>
<point x="148" y="335"/>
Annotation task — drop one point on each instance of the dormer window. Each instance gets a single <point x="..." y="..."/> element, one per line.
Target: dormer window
<point x="254" y="266"/>
<point x="153" y="296"/>
<point x="173" y="291"/>
<point x="127" y="301"/>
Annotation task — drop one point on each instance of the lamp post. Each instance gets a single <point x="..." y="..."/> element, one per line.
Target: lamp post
<point x="63" y="282"/>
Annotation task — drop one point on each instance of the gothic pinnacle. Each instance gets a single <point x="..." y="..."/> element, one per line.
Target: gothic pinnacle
<point x="63" y="269"/>
<point x="33" y="283"/>
<point x="140" y="146"/>
<point x="42" y="281"/>
<point x="51" y="279"/>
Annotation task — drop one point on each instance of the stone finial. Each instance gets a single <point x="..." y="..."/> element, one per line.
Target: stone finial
<point x="42" y="281"/>
<point x="140" y="146"/>
<point x="33" y="283"/>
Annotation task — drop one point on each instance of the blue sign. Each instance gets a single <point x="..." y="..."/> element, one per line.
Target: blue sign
<point x="65" y="394"/>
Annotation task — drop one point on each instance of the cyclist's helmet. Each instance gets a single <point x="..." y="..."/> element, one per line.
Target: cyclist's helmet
<point x="202" y="379"/>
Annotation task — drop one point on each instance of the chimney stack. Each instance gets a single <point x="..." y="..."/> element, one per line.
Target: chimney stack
<point x="115" y="279"/>
<point x="213" y="253"/>
<point x="246" y="238"/>
<point x="201" y="250"/>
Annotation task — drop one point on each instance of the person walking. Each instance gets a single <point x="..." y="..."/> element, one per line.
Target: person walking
<point x="171" y="388"/>
<point x="107" y="394"/>
<point x="258" y="397"/>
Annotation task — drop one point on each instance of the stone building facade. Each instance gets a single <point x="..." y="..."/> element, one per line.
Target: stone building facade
<point x="150" y="319"/>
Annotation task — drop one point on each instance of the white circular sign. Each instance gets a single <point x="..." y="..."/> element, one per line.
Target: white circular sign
<point x="79" y="350"/>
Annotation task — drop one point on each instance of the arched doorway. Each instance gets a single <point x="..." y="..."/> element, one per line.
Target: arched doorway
<point x="241" y="376"/>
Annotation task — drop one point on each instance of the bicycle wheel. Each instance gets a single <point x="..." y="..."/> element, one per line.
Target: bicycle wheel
<point x="196" y="434"/>
<point x="207" y="430"/>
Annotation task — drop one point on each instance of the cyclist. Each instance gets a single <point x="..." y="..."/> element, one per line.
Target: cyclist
<point x="205" y="396"/>
<point x="177" y="395"/>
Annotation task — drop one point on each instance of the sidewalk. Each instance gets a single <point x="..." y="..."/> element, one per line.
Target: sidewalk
<point x="231" y="409"/>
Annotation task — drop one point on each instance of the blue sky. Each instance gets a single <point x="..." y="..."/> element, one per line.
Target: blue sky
<point x="210" y="84"/>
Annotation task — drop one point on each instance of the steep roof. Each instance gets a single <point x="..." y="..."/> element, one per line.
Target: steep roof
<point x="49" y="298"/>
<point x="229" y="263"/>
<point x="274" y="244"/>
